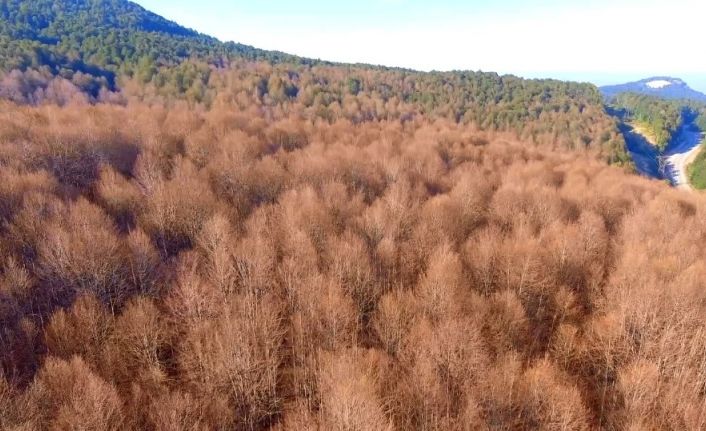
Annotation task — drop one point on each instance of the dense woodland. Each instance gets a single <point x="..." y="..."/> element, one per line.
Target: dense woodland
<point x="202" y="238"/>
<point x="94" y="41"/>
<point x="165" y="268"/>
<point x="112" y="51"/>
<point x="567" y="115"/>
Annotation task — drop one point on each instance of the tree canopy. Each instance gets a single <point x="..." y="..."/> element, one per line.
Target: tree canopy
<point x="105" y="38"/>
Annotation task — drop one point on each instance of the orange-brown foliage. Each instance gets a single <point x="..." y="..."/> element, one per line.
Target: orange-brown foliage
<point x="254" y="267"/>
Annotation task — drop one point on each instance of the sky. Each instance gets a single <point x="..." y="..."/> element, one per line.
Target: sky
<point x="599" y="41"/>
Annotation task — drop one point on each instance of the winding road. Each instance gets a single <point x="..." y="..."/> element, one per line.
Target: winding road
<point x="679" y="154"/>
<point x="672" y="164"/>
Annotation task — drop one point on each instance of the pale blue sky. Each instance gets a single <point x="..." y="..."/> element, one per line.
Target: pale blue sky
<point x="602" y="41"/>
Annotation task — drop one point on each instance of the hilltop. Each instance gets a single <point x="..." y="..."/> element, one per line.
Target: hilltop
<point x="660" y="86"/>
<point x="106" y="38"/>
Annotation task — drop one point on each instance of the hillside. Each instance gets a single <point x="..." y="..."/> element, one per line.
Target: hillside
<point x="105" y="38"/>
<point x="112" y="51"/>
<point x="661" y="87"/>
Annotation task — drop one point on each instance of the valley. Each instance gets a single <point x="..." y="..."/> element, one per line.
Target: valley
<point x="662" y="121"/>
<point x="672" y="163"/>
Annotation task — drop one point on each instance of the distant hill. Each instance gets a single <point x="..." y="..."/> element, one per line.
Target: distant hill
<point x="662" y="87"/>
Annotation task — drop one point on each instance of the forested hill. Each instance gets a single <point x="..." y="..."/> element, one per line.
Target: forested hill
<point x="59" y="51"/>
<point x="103" y="38"/>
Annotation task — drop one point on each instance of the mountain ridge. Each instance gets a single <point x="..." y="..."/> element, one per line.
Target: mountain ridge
<point x="665" y="87"/>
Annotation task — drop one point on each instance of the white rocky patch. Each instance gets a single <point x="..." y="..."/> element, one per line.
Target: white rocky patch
<point x="661" y="83"/>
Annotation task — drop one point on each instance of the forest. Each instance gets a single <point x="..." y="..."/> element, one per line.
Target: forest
<point x="112" y="51"/>
<point x="204" y="236"/>
<point x="258" y="266"/>
<point x="94" y="42"/>
<point x="568" y="115"/>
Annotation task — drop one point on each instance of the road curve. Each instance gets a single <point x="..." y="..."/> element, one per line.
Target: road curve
<point x="673" y="163"/>
<point x="679" y="154"/>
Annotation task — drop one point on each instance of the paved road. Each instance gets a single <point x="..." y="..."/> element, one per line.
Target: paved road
<point x="672" y="164"/>
<point x="679" y="154"/>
